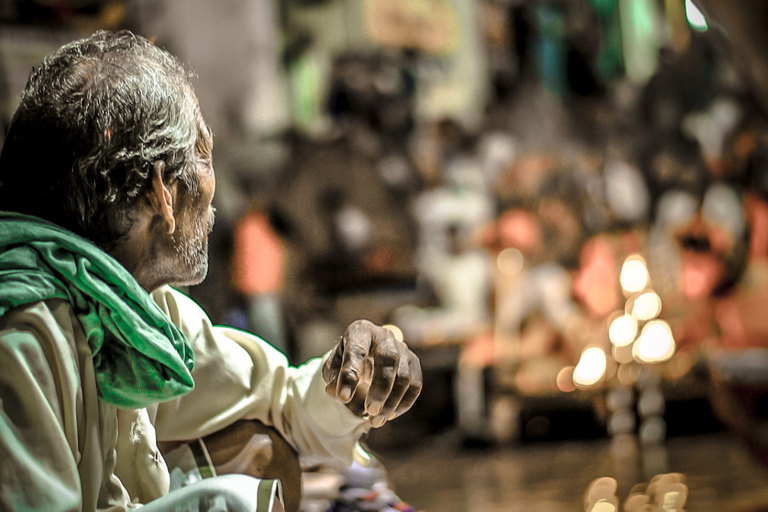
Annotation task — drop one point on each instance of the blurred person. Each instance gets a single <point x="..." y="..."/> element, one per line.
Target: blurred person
<point x="107" y="181"/>
<point x="699" y="248"/>
<point x="460" y="280"/>
<point x="455" y="192"/>
<point x="258" y="268"/>
<point x="533" y="303"/>
<point x="535" y="243"/>
<point x="456" y="272"/>
<point x="534" y="312"/>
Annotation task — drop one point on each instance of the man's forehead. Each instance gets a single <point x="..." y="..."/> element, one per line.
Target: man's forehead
<point x="204" y="142"/>
<point x="204" y="132"/>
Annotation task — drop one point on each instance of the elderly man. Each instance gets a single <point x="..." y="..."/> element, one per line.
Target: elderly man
<point x="106" y="183"/>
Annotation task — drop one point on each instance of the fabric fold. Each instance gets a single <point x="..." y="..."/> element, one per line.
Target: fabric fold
<point x="139" y="356"/>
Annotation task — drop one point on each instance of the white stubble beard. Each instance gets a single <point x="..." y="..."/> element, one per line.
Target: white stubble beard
<point x="193" y="250"/>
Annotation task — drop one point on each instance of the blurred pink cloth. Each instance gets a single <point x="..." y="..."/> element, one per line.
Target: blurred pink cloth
<point x="258" y="256"/>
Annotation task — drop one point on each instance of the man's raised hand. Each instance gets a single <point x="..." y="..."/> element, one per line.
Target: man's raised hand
<point x="373" y="373"/>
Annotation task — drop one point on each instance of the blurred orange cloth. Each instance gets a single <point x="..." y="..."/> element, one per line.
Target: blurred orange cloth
<point x="258" y="255"/>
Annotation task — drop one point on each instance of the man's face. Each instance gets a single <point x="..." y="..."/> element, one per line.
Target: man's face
<point x="195" y="215"/>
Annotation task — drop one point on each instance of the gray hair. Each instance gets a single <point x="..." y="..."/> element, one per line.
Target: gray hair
<point x="93" y="119"/>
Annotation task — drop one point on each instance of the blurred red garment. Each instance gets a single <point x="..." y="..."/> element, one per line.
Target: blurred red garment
<point x="258" y="273"/>
<point x="257" y="256"/>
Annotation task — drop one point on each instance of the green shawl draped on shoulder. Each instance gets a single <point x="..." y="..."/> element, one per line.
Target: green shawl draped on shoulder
<point x="139" y="356"/>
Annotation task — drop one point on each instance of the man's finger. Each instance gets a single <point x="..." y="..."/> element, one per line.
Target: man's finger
<point x="386" y="359"/>
<point x="332" y="365"/>
<point x="330" y="389"/>
<point x="414" y="387"/>
<point x="399" y="387"/>
<point x="357" y="403"/>
<point x="357" y="343"/>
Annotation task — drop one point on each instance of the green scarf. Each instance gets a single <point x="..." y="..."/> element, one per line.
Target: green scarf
<point x="139" y="356"/>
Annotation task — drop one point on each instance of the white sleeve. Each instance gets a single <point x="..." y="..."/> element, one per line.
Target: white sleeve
<point x="240" y="376"/>
<point x="38" y="470"/>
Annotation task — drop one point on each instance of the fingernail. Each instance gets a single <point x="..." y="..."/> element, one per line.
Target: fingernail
<point x="378" y="421"/>
<point x="345" y="394"/>
<point x="374" y="408"/>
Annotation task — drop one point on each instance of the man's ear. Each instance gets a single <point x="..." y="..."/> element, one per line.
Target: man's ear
<point x="162" y="196"/>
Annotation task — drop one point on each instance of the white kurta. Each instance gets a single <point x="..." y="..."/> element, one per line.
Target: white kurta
<point x="62" y="449"/>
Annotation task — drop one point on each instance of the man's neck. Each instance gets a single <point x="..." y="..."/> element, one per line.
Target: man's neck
<point x="138" y="252"/>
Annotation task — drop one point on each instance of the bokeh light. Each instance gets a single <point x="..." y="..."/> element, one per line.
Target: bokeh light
<point x="621" y="422"/>
<point x="510" y="261"/>
<point x="652" y="432"/>
<point x="565" y="380"/>
<point x="650" y="403"/>
<point x="655" y="344"/>
<point x="623" y="354"/>
<point x="647" y="306"/>
<point x="622" y="330"/>
<point x="634" y="274"/>
<point x="591" y="367"/>
<point x="604" y="506"/>
<point x="629" y="373"/>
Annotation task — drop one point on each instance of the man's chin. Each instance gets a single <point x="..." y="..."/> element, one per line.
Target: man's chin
<point x="195" y="277"/>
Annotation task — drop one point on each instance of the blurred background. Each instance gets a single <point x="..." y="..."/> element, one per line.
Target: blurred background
<point x="561" y="205"/>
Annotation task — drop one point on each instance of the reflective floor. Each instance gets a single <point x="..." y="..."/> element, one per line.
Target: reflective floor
<point x="441" y="476"/>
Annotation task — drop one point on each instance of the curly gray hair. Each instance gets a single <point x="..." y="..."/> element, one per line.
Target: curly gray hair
<point x="93" y="119"/>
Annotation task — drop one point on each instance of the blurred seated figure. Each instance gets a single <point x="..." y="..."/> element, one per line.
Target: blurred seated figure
<point x="460" y="281"/>
<point x="534" y="309"/>
<point x="453" y="268"/>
